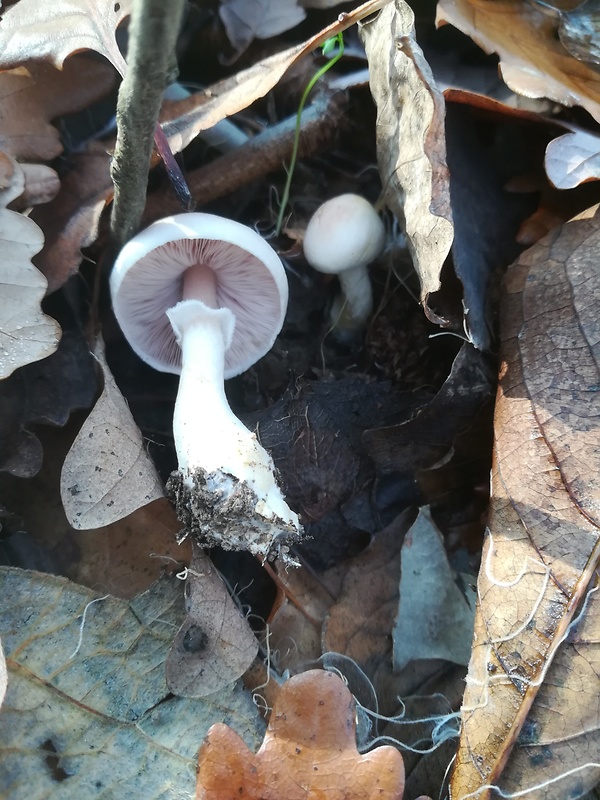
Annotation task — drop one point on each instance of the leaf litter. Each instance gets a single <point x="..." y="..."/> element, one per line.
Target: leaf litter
<point x="363" y="432"/>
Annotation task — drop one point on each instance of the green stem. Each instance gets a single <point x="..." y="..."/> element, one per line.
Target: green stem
<point x="339" y="40"/>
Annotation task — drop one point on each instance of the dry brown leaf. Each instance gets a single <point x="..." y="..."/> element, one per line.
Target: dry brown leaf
<point x="42" y="184"/>
<point x="26" y="333"/>
<point x="309" y="750"/>
<point x="215" y="645"/>
<point x="107" y="473"/>
<point x="533" y="61"/>
<point x="71" y="220"/>
<point x="360" y="622"/>
<point x="411" y="150"/>
<point x="52" y="31"/>
<point x="201" y="111"/>
<point x="34" y="93"/>
<point x="543" y="544"/>
<point x="573" y="159"/>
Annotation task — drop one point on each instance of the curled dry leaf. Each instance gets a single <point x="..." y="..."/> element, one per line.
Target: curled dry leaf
<point x="52" y="31"/>
<point x="309" y="750"/>
<point x="246" y="20"/>
<point x="411" y="150"/>
<point x="530" y="714"/>
<point x="215" y="645"/>
<point x="205" y="109"/>
<point x="107" y="473"/>
<point x="573" y="159"/>
<point x="26" y="333"/>
<point x="533" y="61"/>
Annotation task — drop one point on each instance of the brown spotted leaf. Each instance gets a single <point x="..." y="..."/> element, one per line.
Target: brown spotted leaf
<point x="530" y="710"/>
<point x="215" y="645"/>
<point x="309" y="750"/>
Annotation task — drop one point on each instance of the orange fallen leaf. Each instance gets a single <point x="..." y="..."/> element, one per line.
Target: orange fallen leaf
<point x="308" y="753"/>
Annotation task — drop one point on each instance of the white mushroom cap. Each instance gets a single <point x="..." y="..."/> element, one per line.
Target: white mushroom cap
<point x="147" y="279"/>
<point x="345" y="232"/>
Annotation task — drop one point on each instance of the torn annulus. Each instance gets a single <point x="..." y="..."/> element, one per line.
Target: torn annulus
<point x="205" y="297"/>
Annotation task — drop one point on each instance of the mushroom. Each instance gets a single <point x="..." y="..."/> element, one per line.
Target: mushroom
<point x="205" y="297"/>
<point x="342" y="238"/>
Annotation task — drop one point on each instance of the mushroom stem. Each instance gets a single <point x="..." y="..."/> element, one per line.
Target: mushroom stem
<point x="213" y="446"/>
<point x="352" y="308"/>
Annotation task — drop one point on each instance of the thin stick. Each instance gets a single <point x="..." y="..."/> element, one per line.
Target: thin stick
<point x="150" y="66"/>
<point x="264" y="153"/>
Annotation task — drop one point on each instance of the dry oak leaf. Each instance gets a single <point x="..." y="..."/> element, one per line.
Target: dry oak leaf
<point x="411" y="149"/>
<point x="309" y="751"/>
<point x="52" y="31"/>
<point x="203" y="110"/>
<point x="36" y="92"/>
<point x="530" y="715"/>
<point x="533" y="62"/>
<point x="71" y="219"/>
<point x="26" y="333"/>
<point x="107" y="473"/>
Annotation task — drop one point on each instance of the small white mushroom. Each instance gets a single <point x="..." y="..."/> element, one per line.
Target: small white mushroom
<point x="342" y="238"/>
<point x="205" y="297"/>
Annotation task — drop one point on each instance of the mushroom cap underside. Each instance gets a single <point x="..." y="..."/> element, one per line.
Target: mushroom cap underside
<point x="147" y="280"/>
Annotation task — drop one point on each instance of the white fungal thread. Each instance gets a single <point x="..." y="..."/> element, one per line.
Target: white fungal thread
<point x="82" y="623"/>
<point x="537" y="787"/>
<point x="257" y="698"/>
<point x="507" y="678"/>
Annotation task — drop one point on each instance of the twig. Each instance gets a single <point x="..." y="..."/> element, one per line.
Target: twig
<point x="266" y="152"/>
<point x="150" y="67"/>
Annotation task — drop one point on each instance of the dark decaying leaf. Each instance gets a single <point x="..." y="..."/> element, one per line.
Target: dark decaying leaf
<point x="47" y="392"/>
<point x="486" y="220"/>
<point x="468" y="387"/>
<point x="315" y="436"/>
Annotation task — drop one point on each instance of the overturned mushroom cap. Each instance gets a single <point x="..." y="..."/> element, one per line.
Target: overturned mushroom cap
<point x="250" y="280"/>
